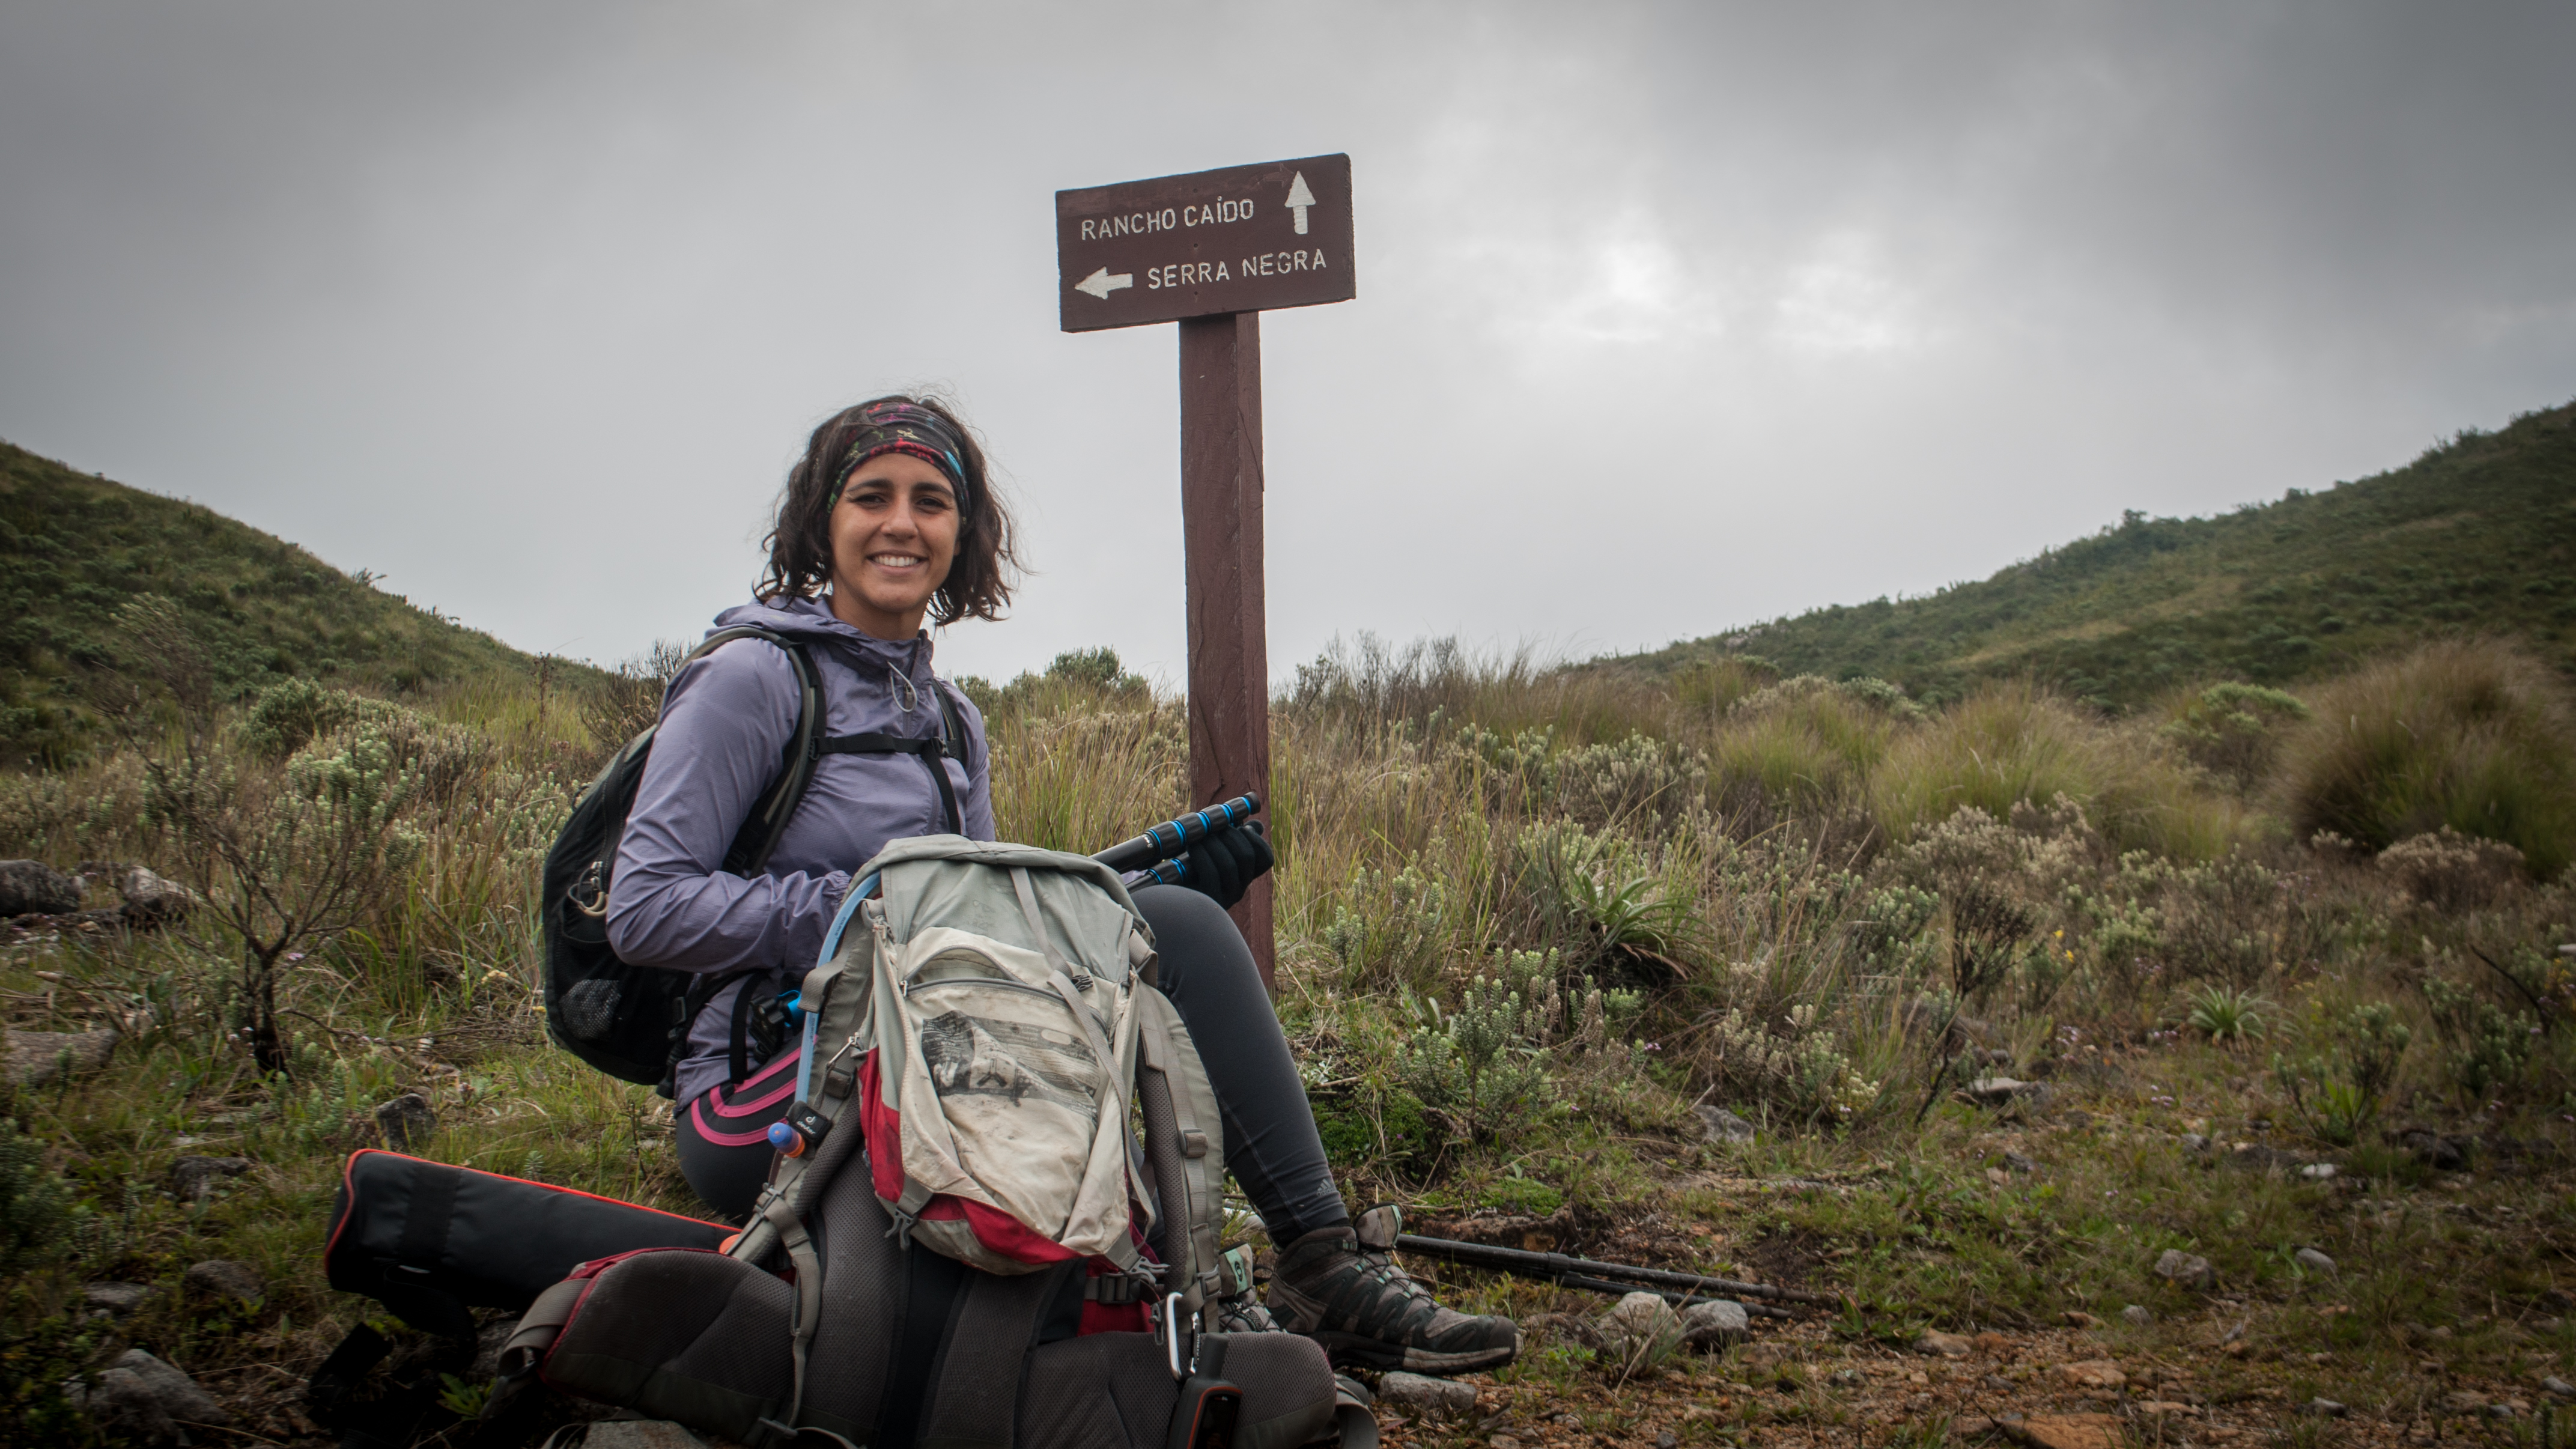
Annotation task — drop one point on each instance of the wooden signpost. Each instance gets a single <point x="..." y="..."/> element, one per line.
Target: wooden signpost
<point x="1212" y="251"/>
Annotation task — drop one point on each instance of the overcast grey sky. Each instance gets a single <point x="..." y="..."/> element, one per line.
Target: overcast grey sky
<point x="1671" y="318"/>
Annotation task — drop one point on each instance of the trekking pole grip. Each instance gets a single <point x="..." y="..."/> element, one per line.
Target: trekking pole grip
<point x="1175" y="837"/>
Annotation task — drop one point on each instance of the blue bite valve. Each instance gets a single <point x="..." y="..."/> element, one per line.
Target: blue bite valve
<point x="797" y="1132"/>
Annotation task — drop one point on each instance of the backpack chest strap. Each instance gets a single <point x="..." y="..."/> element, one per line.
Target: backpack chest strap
<point x="929" y="750"/>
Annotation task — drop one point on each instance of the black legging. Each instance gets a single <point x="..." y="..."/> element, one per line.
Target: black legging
<point x="1208" y="972"/>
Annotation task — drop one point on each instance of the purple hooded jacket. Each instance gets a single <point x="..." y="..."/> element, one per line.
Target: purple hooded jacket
<point x="725" y="721"/>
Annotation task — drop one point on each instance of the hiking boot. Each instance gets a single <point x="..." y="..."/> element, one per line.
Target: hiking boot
<point x="1341" y="1288"/>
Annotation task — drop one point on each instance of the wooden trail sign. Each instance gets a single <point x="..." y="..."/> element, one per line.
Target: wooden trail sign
<point x="1244" y="239"/>
<point x="1212" y="251"/>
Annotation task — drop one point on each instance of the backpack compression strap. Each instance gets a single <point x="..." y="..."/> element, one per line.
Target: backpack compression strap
<point x="1185" y="1149"/>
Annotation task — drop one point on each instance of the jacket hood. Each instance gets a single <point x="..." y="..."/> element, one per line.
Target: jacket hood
<point x="813" y="621"/>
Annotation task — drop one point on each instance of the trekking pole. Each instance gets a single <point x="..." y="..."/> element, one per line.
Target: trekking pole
<point x="1558" y="1268"/>
<point x="1159" y="846"/>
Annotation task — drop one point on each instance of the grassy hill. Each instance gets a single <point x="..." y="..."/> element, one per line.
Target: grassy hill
<point x="2475" y="537"/>
<point x="75" y="548"/>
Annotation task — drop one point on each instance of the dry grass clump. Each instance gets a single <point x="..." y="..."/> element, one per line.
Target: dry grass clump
<point x="2475" y="736"/>
<point x="2015" y="742"/>
<point x="1806" y="742"/>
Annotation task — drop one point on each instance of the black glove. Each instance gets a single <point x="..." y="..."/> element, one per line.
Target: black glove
<point x="1227" y="861"/>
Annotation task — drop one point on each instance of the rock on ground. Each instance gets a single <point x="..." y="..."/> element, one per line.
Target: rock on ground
<point x="1722" y="1125"/>
<point x="227" y="1278"/>
<point x="2314" y="1261"/>
<point x="2136" y="1316"/>
<point x="192" y="1178"/>
<point x="2094" y="1373"/>
<point x="1717" y="1324"/>
<point x="2186" y="1269"/>
<point x="1414" y="1394"/>
<point x="2069" y="1431"/>
<point x="151" y="900"/>
<point x="2436" y="1151"/>
<point x="145" y="1397"/>
<point x="2002" y="1091"/>
<point x="407" y="1120"/>
<point x="1944" y="1345"/>
<point x="33" y="888"/>
<point x="36" y="1058"/>
<point x="2323" y="1408"/>
<point x="639" y="1434"/>
<point x="1642" y="1330"/>
<point x="117" y="1298"/>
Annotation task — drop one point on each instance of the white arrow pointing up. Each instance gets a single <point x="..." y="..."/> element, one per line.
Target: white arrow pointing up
<point x="1299" y="198"/>
<point x="1100" y="284"/>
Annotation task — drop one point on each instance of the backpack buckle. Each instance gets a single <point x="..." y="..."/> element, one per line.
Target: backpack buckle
<point x="1174" y="1330"/>
<point x="587" y="895"/>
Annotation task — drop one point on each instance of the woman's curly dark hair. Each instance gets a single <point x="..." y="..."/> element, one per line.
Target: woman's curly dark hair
<point x="979" y="581"/>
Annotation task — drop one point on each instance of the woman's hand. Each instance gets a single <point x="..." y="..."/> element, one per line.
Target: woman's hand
<point x="1228" y="861"/>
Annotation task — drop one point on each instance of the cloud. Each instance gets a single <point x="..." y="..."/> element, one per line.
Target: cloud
<point x="1670" y="316"/>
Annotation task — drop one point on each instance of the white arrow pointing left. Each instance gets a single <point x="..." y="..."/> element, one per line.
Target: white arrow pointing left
<point x="1100" y="284"/>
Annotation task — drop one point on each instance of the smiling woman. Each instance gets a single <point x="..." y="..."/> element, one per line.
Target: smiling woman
<point x="888" y="476"/>
<point x="889" y="521"/>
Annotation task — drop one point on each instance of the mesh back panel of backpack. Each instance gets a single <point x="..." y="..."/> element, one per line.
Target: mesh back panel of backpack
<point x="1102" y="1391"/>
<point x="1287" y="1388"/>
<point x="687" y="1335"/>
<point x="746" y="1346"/>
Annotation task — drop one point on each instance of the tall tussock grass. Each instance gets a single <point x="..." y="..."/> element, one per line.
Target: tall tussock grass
<point x="2473" y="735"/>
<point x="2014" y="742"/>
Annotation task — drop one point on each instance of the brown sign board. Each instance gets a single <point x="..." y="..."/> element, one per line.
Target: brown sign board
<point x="1241" y="239"/>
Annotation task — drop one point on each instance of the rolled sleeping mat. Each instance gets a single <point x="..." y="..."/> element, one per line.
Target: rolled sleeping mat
<point x="430" y="1241"/>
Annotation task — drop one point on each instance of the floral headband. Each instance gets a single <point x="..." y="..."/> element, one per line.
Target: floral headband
<point x="899" y="427"/>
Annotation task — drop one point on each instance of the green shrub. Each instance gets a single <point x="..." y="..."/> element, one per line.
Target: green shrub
<point x="1638" y="781"/>
<point x="2451" y="872"/>
<point x="35" y="1205"/>
<point x="1598" y="896"/>
<point x="2484" y="1046"/>
<point x="1389" y="928"/>
<point x="2234" y="730"/>
<point x="2339" y="1086"/>
<point x="2224" y="1015"/>
<point x="1483" y="1067"/>
<point x="2474" y="736"/>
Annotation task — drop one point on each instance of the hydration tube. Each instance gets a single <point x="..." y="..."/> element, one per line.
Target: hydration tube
<point x="812" y="1011"/>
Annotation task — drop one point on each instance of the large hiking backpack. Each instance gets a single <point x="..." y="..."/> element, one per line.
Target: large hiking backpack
<point x="962" y="1209"/>
<point x="632" y="1022"/>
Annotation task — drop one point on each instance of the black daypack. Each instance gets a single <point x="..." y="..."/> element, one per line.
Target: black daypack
<point x="632" y="1022"/>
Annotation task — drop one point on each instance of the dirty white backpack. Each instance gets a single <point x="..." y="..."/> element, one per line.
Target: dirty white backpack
<point x="979" y="1253"/>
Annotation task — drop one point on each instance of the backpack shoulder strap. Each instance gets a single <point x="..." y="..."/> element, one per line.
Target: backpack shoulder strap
<point x="953" y="734"/>
<point x="761" y="829"/>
